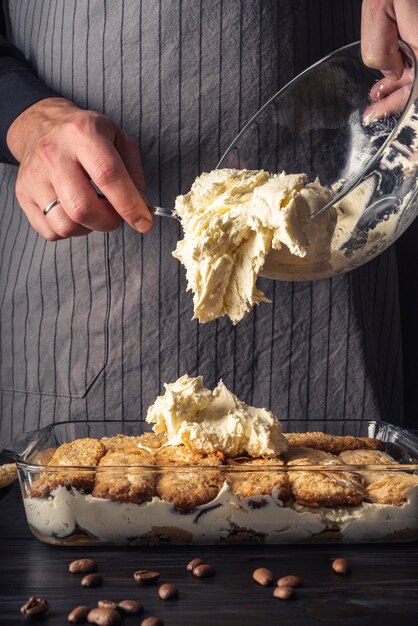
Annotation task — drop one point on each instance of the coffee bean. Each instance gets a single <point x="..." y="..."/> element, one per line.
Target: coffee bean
<point x="290" y="581"/>
<point x="92" y="580"/>
<point x="132" y="607"/>
<point x="263" y="576"/>
<point x="146" y="577"/>
<point x="152" y="621"/>
<point x="82" y="566"/>
<point x="79" y="615"/>
<point x="194" y="563"/>
<point x="204" y="571"/>
<point x="284" y="593"/>
<point x="341" y="566"/>
<point x="35" y="605"/>
<point x="104" y="617"/>
<point x="107" y="604"/>
<point x="168" y="591"/>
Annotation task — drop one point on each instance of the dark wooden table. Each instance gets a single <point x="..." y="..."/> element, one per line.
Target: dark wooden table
<point x="382" y="589"/>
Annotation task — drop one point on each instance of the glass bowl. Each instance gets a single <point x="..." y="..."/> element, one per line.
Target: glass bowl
<point x="314" y="125"/>
<point x="238" y="501"/>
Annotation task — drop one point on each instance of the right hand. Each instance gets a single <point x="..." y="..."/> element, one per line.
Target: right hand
<point x="61" y="148"/>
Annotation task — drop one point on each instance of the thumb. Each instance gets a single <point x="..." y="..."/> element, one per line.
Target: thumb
<point x="379" y="39"/>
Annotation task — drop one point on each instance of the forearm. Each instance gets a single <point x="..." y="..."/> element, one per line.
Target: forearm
<point x="34" y="122"/>
<point x="19" y="89"/>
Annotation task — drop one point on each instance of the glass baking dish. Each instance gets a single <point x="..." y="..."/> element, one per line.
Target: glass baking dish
<point x="238" y="501"/>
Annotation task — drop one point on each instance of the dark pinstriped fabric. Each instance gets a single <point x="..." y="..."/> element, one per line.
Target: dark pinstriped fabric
<point x="91" y="328"/>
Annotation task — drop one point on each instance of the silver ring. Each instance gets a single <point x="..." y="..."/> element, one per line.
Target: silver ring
<point x="51" y="206"/>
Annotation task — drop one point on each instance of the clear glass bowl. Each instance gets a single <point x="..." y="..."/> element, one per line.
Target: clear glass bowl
<point x="231" y="503"/>
<point x="314" y="126"/>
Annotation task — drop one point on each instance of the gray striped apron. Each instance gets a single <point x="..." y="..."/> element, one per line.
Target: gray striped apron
<point x="92" y="327"/>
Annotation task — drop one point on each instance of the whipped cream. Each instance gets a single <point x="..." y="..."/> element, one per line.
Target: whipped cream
<point x="210" y="421"/>
<point x="371" y="522"/>
<point x="67" y="512"/>
<point x="232" y="219"/>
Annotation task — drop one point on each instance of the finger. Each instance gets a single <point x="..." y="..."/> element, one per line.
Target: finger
<point x="57" y="218"/>
<point x="379" y="40"/>
<point x="129" y="151"/>
<point x="105" y="167"/>
<point x="79" y="199"/>
<point x="393" y="103"/>
<point x="386" y="86"/>
<point x="63" y="225"/>
<point x="36" y="218"/>
<point x="39" y="222"/>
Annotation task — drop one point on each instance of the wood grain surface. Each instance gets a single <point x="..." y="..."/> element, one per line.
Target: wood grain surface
<point x="382" y="588"/>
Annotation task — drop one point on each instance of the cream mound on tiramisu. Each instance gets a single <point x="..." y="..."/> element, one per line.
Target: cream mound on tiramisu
<point x="208" y="421"/>
<point x="200" y="480"/>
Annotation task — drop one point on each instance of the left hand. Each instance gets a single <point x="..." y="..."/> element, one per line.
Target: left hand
<point x="383" y="22"/>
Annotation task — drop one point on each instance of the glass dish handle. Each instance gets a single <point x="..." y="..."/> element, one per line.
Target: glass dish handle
<point x="21" y="446"/>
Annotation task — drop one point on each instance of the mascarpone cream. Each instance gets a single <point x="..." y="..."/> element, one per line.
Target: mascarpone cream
<point x="209" y="421"/>
<point x="67" y="512"/>
<point x="232" y="219"/>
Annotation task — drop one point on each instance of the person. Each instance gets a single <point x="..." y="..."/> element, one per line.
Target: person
<point x="383" y="23"/>
<point x="92" y="326"/>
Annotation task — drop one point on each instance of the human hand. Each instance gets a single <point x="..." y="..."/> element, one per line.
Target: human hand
<point x="382" y="23"/>
<point x="61" y="148"/>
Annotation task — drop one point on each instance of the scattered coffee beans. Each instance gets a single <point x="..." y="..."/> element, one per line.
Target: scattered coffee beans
<point x="290" y="581"/>
<point x="152" y="621"/>
<point x="92" y="580"/>
<point x="79" y="615"/>
<point x="341" y="566"/>
<point x="168" y="591"/>
<point x="104" y="617"/>
<point x="35" y="605"/>
<point x="82" y="566"/>
<point x="194" y="563"/>
<point x="146" y="577"/>
<point x="132" y="607"/>
<point x="284" y="593"/>
<point x="107" y="604"/>
<point x="204" y="571"/>
<point x="263" y="576"/>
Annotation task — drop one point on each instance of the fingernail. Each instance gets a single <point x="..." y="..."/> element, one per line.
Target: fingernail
<point x="368" y="119"/>
<point x="143" y="225"/>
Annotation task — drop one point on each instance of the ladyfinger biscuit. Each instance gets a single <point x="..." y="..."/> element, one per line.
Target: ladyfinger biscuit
<point x="152" y="440"/>
<point x="8" y="473"/>
<point x="187" y="490"/>
<point x="78" y="454"/>
<point x="366" y="457"/>
<point x="318" y="488"/>
<point x="383" y="487"/>
<point x="127" y="481"/>
<point x="120" y="442"/>
<point x="330" y="443"/>
<point x="257" y="483"/>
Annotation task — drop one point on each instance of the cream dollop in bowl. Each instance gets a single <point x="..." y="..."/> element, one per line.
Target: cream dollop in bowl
<point x="315" y="125"/>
